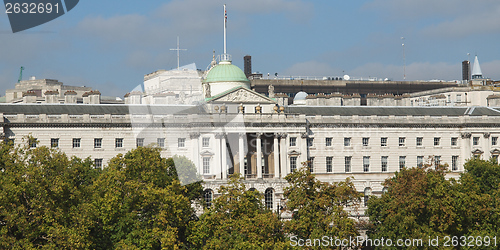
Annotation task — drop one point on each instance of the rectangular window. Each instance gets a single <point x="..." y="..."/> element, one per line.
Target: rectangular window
<point x="437" y="160"/>
<point x="118" y="142"/>
<point x="365" y="141"/>
<point x="366" y="163"/>
<point x="293" y="141"/>
<point x="97" y="142"/>
<point x="206" y="142"/>
<point x="383" y="142"/>
<point x="420" y="141"/>
<point x="54" y="142"/>
<point x="347" y="141"/>
<point x="310" y="164"/>
<point x="454" y="141"/>
<point x="475" y="141"/>
<point x="347" y="164"/>
<point x="383" y="163"/>
<point x="33" y="142"/>
<point x="454" y="162"/>
<point x="139" y="142"/>
<point x="160" y="142"/>
<point x="293" y="163"/>
<point x="206" y="165"/>
<point x="328" y="141"/>
<point x="420" y="161"/>
<point x="402" y="141"/>
<point x="329" y="164"/>
<point x="98" y="163"/>
<point x="459" y="98"/>
<point x="181" y="142"/>
<point x="77" y="142"/>
<point x="310" y="142"/>
<point x="437" y="141"/>
<point x="494" y="141"/>
<point x="402" y="162"/>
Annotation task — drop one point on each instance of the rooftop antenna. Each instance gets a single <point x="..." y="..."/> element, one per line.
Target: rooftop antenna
<point x="404" y="59"/>
<point x="178" y="49"/>
<point x="225" y="27"/>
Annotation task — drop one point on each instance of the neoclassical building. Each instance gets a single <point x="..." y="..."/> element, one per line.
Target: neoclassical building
<point x="236" y="130"/>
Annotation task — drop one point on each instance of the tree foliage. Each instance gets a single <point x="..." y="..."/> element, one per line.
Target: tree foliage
<point x="42" y="196"/>
<point x="50" y="201"/>
<point x="237" y="219"/>
<point x="320" y="208"/>
<point x="422" y="203"/>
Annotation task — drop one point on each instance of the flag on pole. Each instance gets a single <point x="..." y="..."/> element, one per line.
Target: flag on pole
<point x="225" y="15"/>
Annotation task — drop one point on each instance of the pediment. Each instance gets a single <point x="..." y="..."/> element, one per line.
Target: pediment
<point x="241" y="95"/>
<point x="495" y="151"/>
<point x="294" y="152"/>
<point x="477" y="152"/>
<point x="206" y="153"/>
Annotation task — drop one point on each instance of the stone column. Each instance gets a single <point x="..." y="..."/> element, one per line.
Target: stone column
<point x="259" y="156"/>
<point x="223" y="155"/>
<point x="465" y="148"/>
<point x="276" y="156"/>
<point x="217" y="159"/>
<point x="486" y="146"/>
<point x="195" y="138"/>
<point x="283" y="155"/>
<point x="241" y="152"/>
<point x="303" y="150"/>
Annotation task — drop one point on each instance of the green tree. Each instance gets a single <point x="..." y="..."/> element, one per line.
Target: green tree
<point x="319" y="208"/>
<point x="480" y="184"/>
<point x="237" y="220"/>
<point x="43" y="198"/>
<point x="139" y="203"/>
<point x="421" y="203"/>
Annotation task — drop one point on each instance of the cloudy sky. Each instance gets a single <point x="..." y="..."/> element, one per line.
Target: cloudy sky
<point x="109" y="45"/>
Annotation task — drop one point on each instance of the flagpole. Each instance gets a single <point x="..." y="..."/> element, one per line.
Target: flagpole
<point x="225" y="26"/>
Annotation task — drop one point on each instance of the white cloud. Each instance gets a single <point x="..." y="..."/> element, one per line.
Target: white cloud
<point x="416" y="9"/>
<point x="472" y="24"/>
<point x="443" y="18"/>
<point x="491" y="69"/>
<point x="310" y="68"/>
<point x="414" y="71"/>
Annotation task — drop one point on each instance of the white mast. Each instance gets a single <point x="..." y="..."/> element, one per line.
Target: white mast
<point x="225" y="27"/>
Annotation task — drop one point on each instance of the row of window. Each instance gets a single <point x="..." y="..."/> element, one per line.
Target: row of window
<point x="384" y="141"/>
<point x="208" y="196"/>
<point x="77" y="142"/>
<point x="181" y="142"/>
<point x="366" y="163"/>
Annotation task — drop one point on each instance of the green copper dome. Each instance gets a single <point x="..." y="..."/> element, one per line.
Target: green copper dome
<point x="226" y="72"/>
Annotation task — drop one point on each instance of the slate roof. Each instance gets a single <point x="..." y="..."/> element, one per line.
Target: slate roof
<point x="121" y="109"/>
<point x="80" y="109"/>
<point x="396" y="111"/>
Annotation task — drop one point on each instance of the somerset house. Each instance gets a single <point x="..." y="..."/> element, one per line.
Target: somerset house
<point x="215" y="119"/>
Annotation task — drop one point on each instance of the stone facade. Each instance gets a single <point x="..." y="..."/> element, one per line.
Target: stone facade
<point x="368" y="143"/>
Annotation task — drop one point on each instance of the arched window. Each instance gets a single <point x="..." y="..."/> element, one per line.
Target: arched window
<point x="384" y="190"/>
<point x="207" y="197"/>
<point x="368" y="192"/>
<point x="268" y="198"/>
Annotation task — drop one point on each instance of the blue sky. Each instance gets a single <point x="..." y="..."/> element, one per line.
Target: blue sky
<point x="110" y="45"/>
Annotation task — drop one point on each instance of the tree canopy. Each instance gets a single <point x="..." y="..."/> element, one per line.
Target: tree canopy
<point x="422" y="203"/>
<point x="48" y="200"/>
